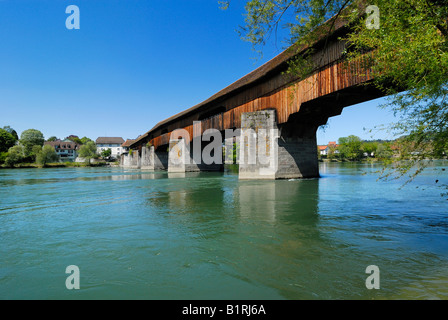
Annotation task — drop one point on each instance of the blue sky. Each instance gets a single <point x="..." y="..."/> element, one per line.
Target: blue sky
<point x="131" y="64"/>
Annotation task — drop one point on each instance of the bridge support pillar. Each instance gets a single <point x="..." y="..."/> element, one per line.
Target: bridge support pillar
<point x="269" y="151"/>
<point x="153" y="160"/>
<point x="130" y="161"/>
<point x="181" y="158"/>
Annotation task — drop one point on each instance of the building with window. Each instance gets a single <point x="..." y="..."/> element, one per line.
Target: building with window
<point x="112" y="143"/>
<point x="67" y="150"/>
<point x="324" y="150"/>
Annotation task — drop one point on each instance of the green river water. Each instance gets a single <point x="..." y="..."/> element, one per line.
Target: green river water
<point x="142" y="235"/>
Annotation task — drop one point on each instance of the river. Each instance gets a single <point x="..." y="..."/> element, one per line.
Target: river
<point x="141" y="235"/>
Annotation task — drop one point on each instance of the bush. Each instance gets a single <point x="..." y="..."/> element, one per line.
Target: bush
<point x="88" y="151"/>
<point x="30" y="138"/>
<point x="7" y="140"/>
<point x="3" y="156"/>
<point x="46" y="155"/>
<point x="15" y="156"/>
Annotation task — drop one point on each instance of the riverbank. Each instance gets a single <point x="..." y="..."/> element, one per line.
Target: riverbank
<point x="366" y="160"/>
<point x="58" y="165"/>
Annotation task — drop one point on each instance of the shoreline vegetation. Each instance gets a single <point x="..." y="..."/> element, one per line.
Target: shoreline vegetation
<point x="60" y="165"/>
<point x="31" y="150"/>
<point x="116" y="164"/>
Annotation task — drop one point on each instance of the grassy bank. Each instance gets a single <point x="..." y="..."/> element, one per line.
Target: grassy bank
<point x="55" y="165"/>
<point x="367" y="160"/>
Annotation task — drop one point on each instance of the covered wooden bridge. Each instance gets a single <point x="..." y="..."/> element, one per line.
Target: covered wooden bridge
<point x="295" y="106"/>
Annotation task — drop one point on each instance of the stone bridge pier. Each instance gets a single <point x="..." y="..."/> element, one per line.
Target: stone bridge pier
<point x="194" y="156"/>
<point x="147" y="159"/>
<point x="153" y="160"/>
<point x="269" y="150"/>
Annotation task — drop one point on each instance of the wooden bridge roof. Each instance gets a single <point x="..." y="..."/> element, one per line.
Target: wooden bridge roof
<point x="269" y="68"/>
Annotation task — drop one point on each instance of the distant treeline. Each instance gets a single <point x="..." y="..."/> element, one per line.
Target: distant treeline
<point x="353" y="148"/>
<point x="29" y="150"/>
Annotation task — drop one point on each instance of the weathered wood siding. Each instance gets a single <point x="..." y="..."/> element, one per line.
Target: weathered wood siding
<point x="278" y="92"/>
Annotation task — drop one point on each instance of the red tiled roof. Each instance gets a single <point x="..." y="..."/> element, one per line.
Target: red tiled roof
<point x="63" y="145"/>
<point x="128" y="143"/>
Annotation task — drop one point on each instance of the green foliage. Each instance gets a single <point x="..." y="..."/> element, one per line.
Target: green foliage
<point x="88" y="151"/>
<point x="410" y="63"/>
<point x="106" y="153"/>
<point x="35" y="150"/>
<point x="84" y="140"/>
<point x="47" y="154"/>
<point x="75" y="139"/>
<point x="235" y="152"/>
<point x="384" y="151"/>
<point x="52" y="138"/>
<point x="332" y="154"/>
<point x="300" y="17"/>
<point x="15" y="156"/>
<point x="30" y="138"/>
<point x="350" y="147"/>
<point x="369" y="148"/>
<point x="3" y="156"/>
<point x="407" y="57"/>
<point x="7" y="140"/>
<point x="12" y="132"/>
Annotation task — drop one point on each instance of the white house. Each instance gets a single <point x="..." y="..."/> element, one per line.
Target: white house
<point x="324" y="150"/>
<point x="67" y="150"/>
<point x="112" y="143"/>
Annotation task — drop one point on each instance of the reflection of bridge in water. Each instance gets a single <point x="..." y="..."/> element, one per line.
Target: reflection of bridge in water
<point x="264" y="231"/>
<point x="294" y="201"/>
<point x="267" y="98"/>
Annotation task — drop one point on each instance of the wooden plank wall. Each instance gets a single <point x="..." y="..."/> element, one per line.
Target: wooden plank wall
<point x="278" y="93"/>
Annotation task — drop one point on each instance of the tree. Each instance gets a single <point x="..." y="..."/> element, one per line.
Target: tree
<point x="3" y="156"/>
<point x="15" y="155"/>
<point x="384" y="151"/>
<point x="406" y="53"/>
<point x="88" y="151"/>
<point x="7" y="140"/>
<point x="331" y="154"/>
<point x="84" y="140"/>
<point x="75" y="139"/>
<point x="350" y="147"/>
<point x="106" y="153"/>
<point x="11" y="131"/>
<point x="35" y="150"/>
<point x="369" y="148"/>
<point x="30" y="138"/>
<point x="46" y="155"/>
<point x="52" y="138"/>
